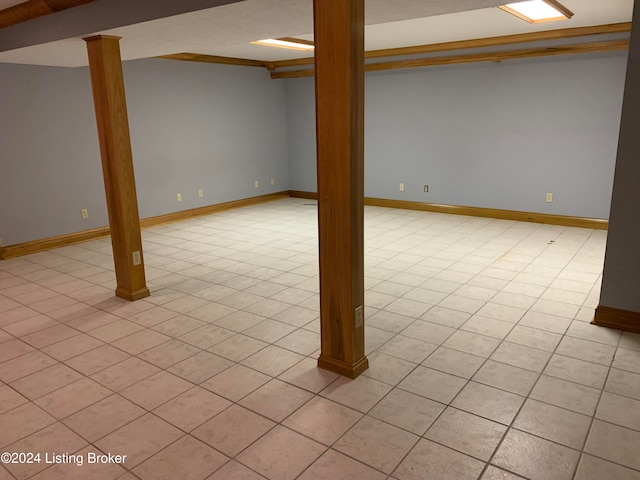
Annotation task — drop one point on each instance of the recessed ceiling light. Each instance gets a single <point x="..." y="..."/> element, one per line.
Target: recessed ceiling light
<point x="290" y="43"/>
<point x="536" y="11"/>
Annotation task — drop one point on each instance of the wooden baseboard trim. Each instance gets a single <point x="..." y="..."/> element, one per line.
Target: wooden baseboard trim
<point x="300" y="194"/>
<point x="35" y="246"/>
<point x="209" y="209"/>
<point x="550" y="219"/>
<point x="617" y="318"/>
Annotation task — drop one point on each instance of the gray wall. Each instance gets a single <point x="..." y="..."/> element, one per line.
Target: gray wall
<point x="193" y="126"/>
<point x="620" y="284"/>
<point x="486" y="135"/>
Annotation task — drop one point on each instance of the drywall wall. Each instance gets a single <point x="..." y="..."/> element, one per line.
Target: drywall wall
<point x="193" y="126"/>
<point x="622" y="261"/>
<point x="493" y="135"/>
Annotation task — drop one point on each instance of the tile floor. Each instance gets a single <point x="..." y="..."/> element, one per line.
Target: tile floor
<point x="483" y="361"/>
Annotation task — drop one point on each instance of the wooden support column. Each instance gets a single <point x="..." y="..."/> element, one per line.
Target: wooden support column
<point x="339" y="77"/>
<point x="117" y="164"/>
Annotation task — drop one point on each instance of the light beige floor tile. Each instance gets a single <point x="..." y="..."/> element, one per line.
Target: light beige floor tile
<point x="49" y="336"/>
<point x="502" y="312"/>
<point x="272" y="360"/>
<point x="140" y="439"/>
<point x="627" y="360"/>
<point x="578" y="371"/>
<point x="454" y="362"/>
<point x="72" y="398"/>
<point x="169" y="353"/>
<point x="535" y="458"/>
<point x="24" y="365"/>
<point x="360" y="394"/>
<point x="407" y="410"/>
<point x="192" y="408"/>
<point x="586" y="350"/>
<point x="430" y="461"/>
<point x="488" y="402"/>
<point x="54" y="438"/>
<point x="292" y="453"/>
<point x="156" y="390"/>
<point x="233" y="470"/>
<point x="462" y="304"/>
<point x="72" y="347"/>
<point x="446" y="317"/>
<point x="619" y="410"/>
<point x="300" y="341"/>
<point x="236" y="382"/>
<point x="553" y="423"/>
<point x="630" y="341"/>
<point x="467" y="433"/>
<point x="495" y="473"/>
<point x="115" y="330"/>
<point x="124" y="374"/>
<point x="200" y="367"/>
<point x="322" y="420"/>
<point x="276" y="400"/>
<point x="155" y="315"/>
<point x="472" y="343"/>
<point x="95" y="360"/>
<point x="406" y="348"/>
<point x="387" y="369"/>
<point x="29" y="326"/>
<point x="103" y="417"/>
<point x="233" y="430"/>
<point x="377" y="444"/>
<point x="308" y="375"/>
<point x="506" y="377"/>
<point x="179" y="325"/>
<point x="389" y="321"/>
<point x="141" y="341"/>
<point x="562" y="393"/>
<point x="269" y="331"/>
<point x="432" y="384"/>
<point x="333" y="465"/>
<point x="207" y="336"/>
<point x="96" y="471"/>
<point x="521" y="356"/>
<point x="487" y="326"/>
<point x="513" y="300"/>
<point x="187" y="459"/>
<point x="297" y="316"/>
<point x="545" y="321"/>
<point x="238" y="347"/>
<point x="594" y="333"/>
<point x="592" y="468"/>
<point x="614" y="443"/>
<point x="533" y="337"/>
<point x="428" y="332"/>
<point x="623" y="383"/>
<point x="10" y="399"/>
<point x="46" y="381"/>
<point x="22" y="422"/>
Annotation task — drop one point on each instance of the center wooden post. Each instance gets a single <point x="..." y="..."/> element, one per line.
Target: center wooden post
<point x="339" y="81"/>
<point x="110" y="103"/>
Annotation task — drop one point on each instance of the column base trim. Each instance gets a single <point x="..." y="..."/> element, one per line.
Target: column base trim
<point x="345" y="369"/>
<point x="132" y="295"/>
<point x="619" y="319"/>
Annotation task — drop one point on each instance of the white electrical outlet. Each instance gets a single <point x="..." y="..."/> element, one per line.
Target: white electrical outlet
<point x="273" y="181"/>
<point x="549" y="197"/>
<point x="426" y="189"/>
<point x="257" y="184"/>
<point x="402" y="187"/>
<point x="136" y="258"/>
<point x="200" y="193"/>
<point x="85" y="213"/>
<point x="179" y="197"/>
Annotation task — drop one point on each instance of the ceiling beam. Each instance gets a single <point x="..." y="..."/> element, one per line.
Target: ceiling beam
<point x="195" y="57"/>
<point x="480" y="42"/>
<point x="591" y="47"/>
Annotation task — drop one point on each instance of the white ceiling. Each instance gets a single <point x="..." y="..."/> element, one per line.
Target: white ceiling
<point x="227" y="30"/>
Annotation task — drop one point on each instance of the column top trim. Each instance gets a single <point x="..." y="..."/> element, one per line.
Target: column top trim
<point x="101" y="37"/>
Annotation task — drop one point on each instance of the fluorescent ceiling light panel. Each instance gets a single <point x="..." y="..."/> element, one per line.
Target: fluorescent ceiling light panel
<point x="537" y="11"/>
<point x="281" y="43"/>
